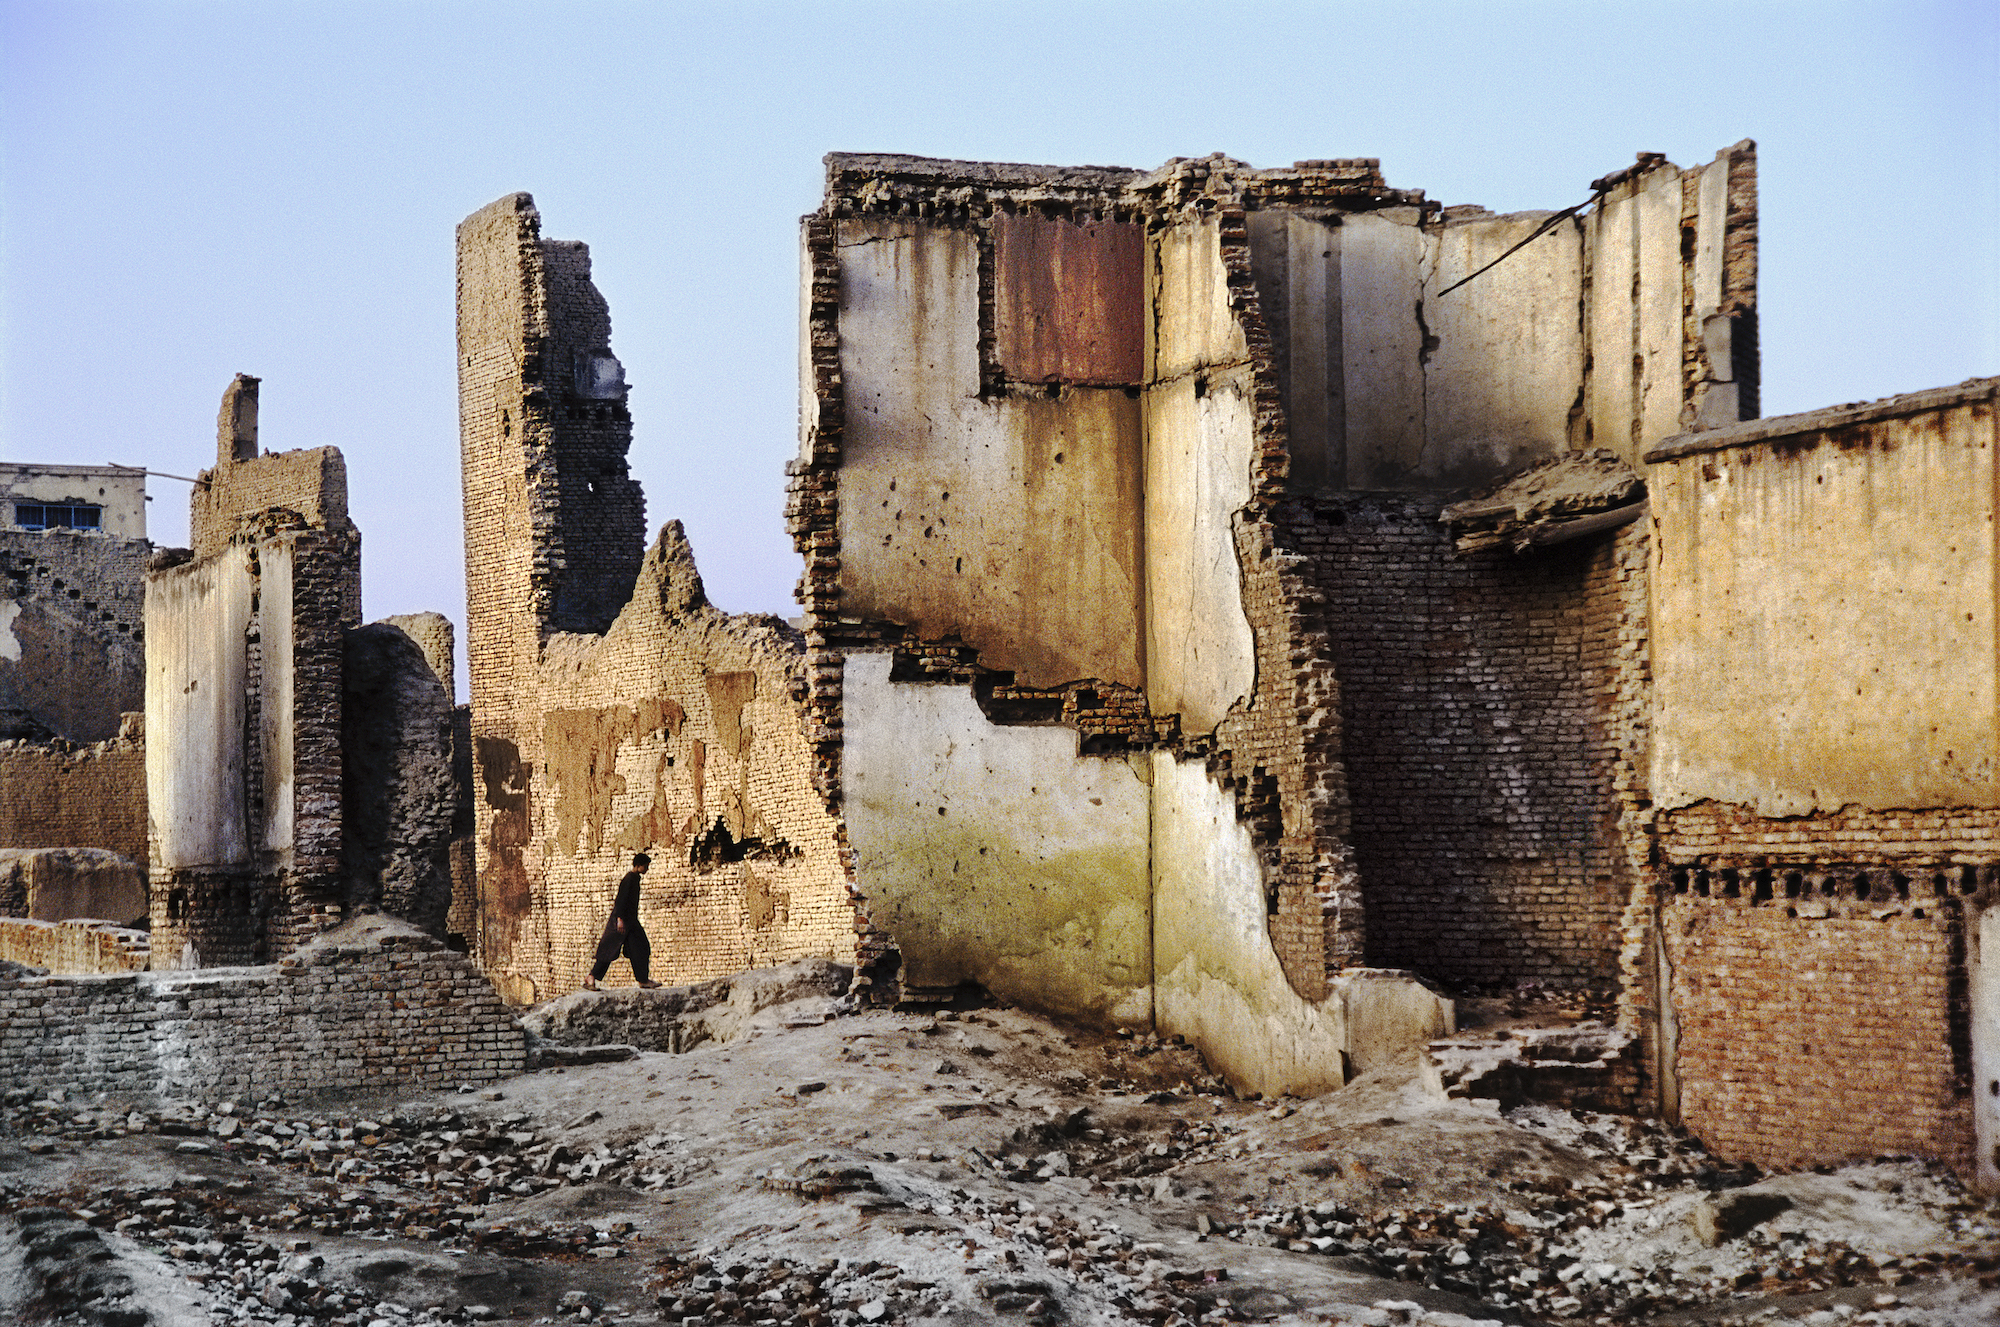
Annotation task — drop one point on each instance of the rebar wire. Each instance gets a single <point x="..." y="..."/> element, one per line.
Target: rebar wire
<point x="1549" y="223"/>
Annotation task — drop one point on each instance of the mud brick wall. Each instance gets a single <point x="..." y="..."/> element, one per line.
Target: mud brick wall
<point x="1819" y="1027"/>
<point x="1490" y="734"/>
<point x="74" y="946"/>
<point x="354" y="1012"/>
<point x="311" y="483"/>
<point x="72" y="623"/>
<point x="59" y="796"/>
<point x="613" y="710"/>
<point x="678" y="733"/>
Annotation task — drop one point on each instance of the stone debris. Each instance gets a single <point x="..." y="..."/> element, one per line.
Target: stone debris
<point x="1080" y="1204"/>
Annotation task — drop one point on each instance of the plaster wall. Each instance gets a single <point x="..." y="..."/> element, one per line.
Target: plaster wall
<point x="1012" y="522"/>
<point x="1501" y="383"/>
<point x="277" y="698"/>
<point x="1779" y="689"/>
<point x="1191" y="324"/>
<point x="1617" y="328"/>
<point x="1984" y="974"/>
<point x="1201" y="657"/>
<point x="197" y="681"/>
<point x="118" y="493"/>
<point x="1633" y="316"/>
<point x="992" y="853"/>
<point x="1381" y="288"/>
<point x="1199" y="444"/>
<point x="1218" y="980"/>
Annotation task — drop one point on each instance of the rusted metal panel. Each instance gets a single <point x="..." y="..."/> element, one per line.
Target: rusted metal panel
<point x="1068" y="300"/>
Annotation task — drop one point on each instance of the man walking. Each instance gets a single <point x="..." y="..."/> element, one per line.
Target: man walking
<point x="623" y="932"/>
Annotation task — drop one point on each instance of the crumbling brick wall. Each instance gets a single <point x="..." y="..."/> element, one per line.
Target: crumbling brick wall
<point x="76" y="946"/>
<point x="613" y="710"/>
<point x="72" y="609"/>
<point x="1353" y="327"/>
<point x="376" y="1007"/>
<point x="1485" y="757"/>
<point x="402" y="799"/>
<point x="54" y="795"/>
<point x="244" y="699"/>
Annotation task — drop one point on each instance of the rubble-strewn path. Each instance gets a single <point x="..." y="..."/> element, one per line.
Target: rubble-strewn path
<point x="833" y="1168"/>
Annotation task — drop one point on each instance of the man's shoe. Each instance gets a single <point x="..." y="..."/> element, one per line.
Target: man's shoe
<point x="649" y="986"/>
<point x="590" y="983"/>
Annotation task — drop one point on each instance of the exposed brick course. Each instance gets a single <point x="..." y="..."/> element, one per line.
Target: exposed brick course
<point x="1491" y="738"/>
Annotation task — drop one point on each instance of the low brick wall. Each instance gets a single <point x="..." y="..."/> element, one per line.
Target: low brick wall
<point x="75" y="946"/>
<point x="371" y="1006"/>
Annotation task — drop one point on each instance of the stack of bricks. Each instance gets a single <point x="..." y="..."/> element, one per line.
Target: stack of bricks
<point x="383" y="1009"/>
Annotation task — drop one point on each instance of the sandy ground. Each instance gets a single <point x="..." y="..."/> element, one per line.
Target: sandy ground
<point x="982" y="1165"/>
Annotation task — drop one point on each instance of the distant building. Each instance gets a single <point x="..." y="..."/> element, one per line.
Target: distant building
<point x="95" y="499"/>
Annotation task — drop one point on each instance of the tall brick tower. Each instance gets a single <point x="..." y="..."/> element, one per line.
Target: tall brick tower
<point x="554" y="524"/>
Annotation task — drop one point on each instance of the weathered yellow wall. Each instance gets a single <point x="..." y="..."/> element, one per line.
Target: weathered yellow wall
<point x="1824" y="612"/>
<point x="1012" y="521"/>
<point x="994" y="854"/>
<point x="1200" y="658"/>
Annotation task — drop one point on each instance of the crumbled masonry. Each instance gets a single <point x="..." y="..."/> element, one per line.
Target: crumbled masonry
<point x="1332" y="771"/>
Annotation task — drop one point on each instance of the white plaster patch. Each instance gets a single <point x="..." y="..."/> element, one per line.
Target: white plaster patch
<point x="10" y="645"/>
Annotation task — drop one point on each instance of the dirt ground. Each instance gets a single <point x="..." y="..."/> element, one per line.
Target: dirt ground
<point x="980" y="1165"/>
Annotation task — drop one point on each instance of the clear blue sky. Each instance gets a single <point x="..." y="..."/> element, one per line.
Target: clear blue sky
<point x="191" y="190"/>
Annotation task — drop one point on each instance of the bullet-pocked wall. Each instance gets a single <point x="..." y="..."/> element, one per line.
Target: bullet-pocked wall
<point x="1824" y="770"/>
<point x="613" y="709"/>
<point x="1001" y="329"/>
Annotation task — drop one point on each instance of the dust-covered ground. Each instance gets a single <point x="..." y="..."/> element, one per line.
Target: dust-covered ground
<point x="979" y="1165"/>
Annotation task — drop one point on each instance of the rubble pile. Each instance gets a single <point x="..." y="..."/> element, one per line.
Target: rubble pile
<point x="886" y="1168"/>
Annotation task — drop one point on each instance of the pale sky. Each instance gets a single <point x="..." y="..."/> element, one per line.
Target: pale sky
<point x="192" y="190"/>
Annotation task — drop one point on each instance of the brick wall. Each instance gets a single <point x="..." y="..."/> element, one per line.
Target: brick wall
<point x="311" y="482"/>
<point x="59" y="796"/>
<point x="74" y="946"/>
<point x="371" y="1007"/>
<point x="613" y="710"/>
<point x="1492" y="734"/>
<point x="1818" y="1026"/>
<point x="72" y="609"/>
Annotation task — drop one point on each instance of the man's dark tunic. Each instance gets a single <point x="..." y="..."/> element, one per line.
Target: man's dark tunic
<point x="632" y="941"/>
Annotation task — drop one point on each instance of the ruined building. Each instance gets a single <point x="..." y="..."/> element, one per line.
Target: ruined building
<point x="1253" y="602"/>
<point x="614" y="710"/>
<point x="299" y="765"/>
<point x="73" y="553"/>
